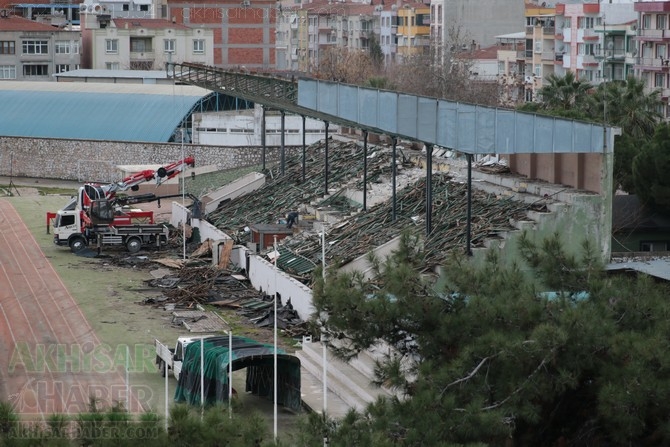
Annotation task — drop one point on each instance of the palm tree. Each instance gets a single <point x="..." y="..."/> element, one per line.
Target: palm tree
<point x="565" y="93"/>
<point x="628" y="106"/>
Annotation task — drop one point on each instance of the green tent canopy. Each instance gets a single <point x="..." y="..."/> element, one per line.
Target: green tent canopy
<point x="256" y="357"/>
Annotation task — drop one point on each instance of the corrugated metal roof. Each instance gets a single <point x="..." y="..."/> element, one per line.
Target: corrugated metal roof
<point x="658" y="268"/>
<point x="94" y="111"/>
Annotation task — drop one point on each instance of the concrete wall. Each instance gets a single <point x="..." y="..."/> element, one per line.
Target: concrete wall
<point x="582" y="171"/>
<point x="97" y="161"/>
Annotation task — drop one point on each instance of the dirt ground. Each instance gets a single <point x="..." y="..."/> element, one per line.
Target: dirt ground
<point x="110" y="298"/>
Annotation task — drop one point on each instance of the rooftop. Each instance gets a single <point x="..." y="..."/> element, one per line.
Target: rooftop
<point x="95" y="111"/>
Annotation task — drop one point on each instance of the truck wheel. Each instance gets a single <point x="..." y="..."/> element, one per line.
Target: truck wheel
<point x="77" y="244"/>
<point x="134" y="244"/>
<point x="162" y="369"/>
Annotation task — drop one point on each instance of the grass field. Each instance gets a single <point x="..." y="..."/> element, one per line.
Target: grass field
<point x="110" y="297"/>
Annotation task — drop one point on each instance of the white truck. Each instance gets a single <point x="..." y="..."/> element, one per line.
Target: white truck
<point x="171" y="358"/>
<point x="96" y="214"/>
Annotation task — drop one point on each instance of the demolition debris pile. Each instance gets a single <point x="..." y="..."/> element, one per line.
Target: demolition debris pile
<point x="282" y="193"/>
<point x="227" y="289"/>
<point x="357" y="235"/>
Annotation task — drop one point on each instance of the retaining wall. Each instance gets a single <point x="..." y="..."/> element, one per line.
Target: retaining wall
<point x="97" y="161"/>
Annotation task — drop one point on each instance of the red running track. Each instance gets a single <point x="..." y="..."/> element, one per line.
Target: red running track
<point x="51" y="360"/>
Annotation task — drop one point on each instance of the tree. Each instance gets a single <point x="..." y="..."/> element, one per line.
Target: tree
<point x="495" y="361"/>
<point x="565" y="96"/>
<point x="625" y="104"/>
<point x="344" y="65"/>
<point x="650" y="168"/>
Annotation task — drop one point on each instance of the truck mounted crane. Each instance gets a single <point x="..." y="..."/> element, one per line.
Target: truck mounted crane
<point x="97" y="214"/>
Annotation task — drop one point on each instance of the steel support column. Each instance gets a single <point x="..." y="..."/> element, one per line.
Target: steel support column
<point x="365" y="170"/>
<point x="283" y="148"/>
<point x="429" y="188"/>
<point x="263" y="137"/>
<point x="468" y="236"/>
<point x="325" y="176"/>
<point x="393" y="183"/>
<point x="303" y="149"/>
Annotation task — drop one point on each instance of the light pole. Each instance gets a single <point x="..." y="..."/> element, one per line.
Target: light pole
<point x="274" y="387"/>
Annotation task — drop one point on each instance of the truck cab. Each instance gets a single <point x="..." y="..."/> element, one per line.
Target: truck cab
<point x="172" y="358"/>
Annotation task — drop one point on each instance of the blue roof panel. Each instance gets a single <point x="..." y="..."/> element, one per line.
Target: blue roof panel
<point x="92" y="116"/>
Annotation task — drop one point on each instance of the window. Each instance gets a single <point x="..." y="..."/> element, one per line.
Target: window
<point x="62" y="68"/>
<point x="35" y="70"/>
<point x="538" y="71"/>
<point x="169" y="45"/>
<point x="140" y="45"/>
<point x="186" y="12"/>
<point x="654" y="246"/>
<point x="62" y="47"/>
<point x="144" y="7"/>
<point x="7" y="71"/>
<point x="198" y="46"/>
<point x="646" y="21"/>
<point x="126" y="7"/>
<point x="586" y="22"/>
<point x="586" y="75"/>
<point x="659" y="79"/>
<point x="586" y="49"/>
<point x="112" y="46"/>
<point x="567" y="23"/>
<point x="661" y="21"/>
<point x="112" y="65"/>
<point x="660" y="51"/>
<point x="7" y="47"/>
<point x="35" y="47"/>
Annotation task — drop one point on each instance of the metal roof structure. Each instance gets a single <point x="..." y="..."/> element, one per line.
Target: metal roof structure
<point x="467" y="128"/>
<point x="95" y="111"/>
<point x="658" y="268"/>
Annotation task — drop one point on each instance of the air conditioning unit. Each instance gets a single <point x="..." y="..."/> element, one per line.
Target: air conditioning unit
<point x="246" y="3"/>
<point x="379" y="8"/>
<point x="633" y="26"/>
<point x="83" y="8"/>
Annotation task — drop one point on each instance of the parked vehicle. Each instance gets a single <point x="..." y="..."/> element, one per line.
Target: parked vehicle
<point x="97" y="215"/>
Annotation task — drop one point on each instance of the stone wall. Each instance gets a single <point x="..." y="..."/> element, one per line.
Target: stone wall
<point x="96" y="161"/>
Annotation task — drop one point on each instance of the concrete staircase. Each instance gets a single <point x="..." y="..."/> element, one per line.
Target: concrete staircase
<point x="349" y="384"/>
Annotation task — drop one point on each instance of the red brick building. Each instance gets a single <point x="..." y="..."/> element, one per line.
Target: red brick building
<point x="244" y="30"/>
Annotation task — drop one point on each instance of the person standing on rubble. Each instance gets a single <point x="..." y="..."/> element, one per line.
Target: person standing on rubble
<point x="291" y="218"/>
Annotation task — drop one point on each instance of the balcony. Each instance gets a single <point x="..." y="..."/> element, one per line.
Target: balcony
<point x="548" y="55"/>
<point x="589" y="34"/>
<point x="589" y="60"/>
<point x="653" y="63"/>
<point x="142" y="55"/>
<point x="548" y="30"/>
<point x="654" y="34"/>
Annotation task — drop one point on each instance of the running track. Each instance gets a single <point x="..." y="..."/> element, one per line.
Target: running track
<point x="50" y="358"/>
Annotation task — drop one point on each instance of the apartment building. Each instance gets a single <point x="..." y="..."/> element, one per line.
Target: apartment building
<point x="592" y="39"/>
<point x="511" y="73"/>
<point x="32" y="51"/>
<point x="305" y="33"/>
<point x="413" y="34"/>
<point x="479" y="21"/>
<point x="544" y="47"/>
<point x="244" y="30"/>
<point x="653" y="51"/>
<point x="142" y="44"/>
